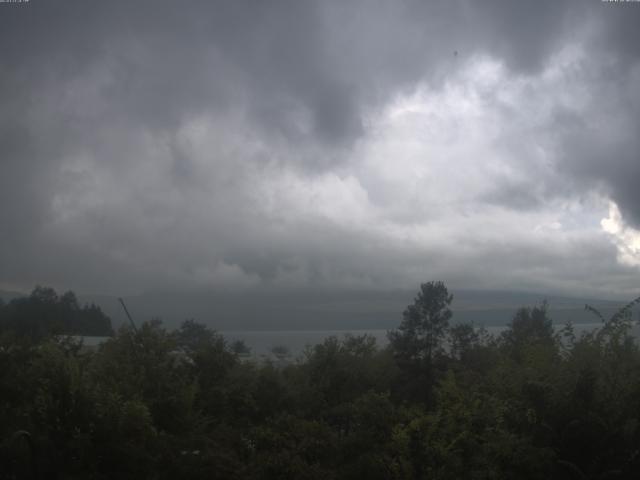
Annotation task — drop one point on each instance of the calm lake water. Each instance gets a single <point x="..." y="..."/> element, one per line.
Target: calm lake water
<point x="261" y="342"/>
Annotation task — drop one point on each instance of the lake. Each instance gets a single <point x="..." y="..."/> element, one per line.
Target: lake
<point x="261" y="342"/>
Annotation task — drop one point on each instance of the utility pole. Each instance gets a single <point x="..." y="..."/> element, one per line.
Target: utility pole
<point x="133" y="325"/>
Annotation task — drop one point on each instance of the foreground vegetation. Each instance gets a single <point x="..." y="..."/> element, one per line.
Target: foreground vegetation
<point x="440" y="401"/>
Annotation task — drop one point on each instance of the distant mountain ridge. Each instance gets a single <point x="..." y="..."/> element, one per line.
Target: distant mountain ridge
<point x="322" y="310"/>
<point x="7" y="296"/>
<point x="334" y="310"/>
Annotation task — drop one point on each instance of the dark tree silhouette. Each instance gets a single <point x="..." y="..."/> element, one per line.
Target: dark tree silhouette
<point x="424" y="324"/>
<point x="44" y="313"/>
<point x="420" y="336"/>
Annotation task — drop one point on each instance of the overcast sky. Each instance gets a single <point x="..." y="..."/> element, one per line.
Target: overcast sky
<point x="193" y="145"/>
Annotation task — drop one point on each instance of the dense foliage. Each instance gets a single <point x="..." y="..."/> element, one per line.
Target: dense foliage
<point x="45" y="313"/>
<point x="440" y="401"/>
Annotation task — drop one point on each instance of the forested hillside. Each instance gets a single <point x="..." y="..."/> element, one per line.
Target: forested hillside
<point x="44" y="313"/>
<point x="442" y="401"/>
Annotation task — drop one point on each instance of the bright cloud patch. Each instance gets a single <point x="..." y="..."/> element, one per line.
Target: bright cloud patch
<point x="626" y="239"/>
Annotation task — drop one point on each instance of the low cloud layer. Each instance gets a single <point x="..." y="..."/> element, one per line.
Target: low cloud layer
<point x="292" y="145"/>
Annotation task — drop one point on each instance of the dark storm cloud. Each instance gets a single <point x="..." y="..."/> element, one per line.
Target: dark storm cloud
<point x="602" y="148"/>
<point x="106" y="181"/>
<point x="169" y="59"/>
<point x="609" y="157"/>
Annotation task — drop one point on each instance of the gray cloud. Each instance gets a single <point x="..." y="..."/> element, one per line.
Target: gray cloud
<point x="156" y="144"/>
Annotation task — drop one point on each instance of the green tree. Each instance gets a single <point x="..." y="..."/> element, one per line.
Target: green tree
<point x="419" y="339"/>
<point x="462" y="339"/>
<point x="531" y="328"/>
<point x="424" y="325"/>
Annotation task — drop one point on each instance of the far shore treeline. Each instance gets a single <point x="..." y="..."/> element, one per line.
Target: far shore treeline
<point x="44" y="313"/>
<point x="442" y="400"/>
